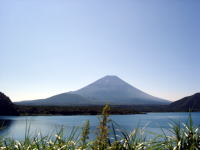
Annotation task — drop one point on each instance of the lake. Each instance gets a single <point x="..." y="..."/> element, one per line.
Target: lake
<point x="13" y="126"/>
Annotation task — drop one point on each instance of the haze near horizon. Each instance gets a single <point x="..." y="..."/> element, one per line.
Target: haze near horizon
<point x="49" y="47"/>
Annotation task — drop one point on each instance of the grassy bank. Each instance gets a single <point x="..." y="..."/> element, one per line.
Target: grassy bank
<point x="184" y="136"/>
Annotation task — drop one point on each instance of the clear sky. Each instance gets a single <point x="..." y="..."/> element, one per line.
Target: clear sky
<point x="49" y="47"/>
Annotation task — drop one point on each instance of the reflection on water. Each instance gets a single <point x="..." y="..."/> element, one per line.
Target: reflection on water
<point x="5" y="124"/>
<point x="15" y="126"/>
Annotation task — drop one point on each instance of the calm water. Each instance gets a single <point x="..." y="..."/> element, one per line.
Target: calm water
<point x="15" y="126"/>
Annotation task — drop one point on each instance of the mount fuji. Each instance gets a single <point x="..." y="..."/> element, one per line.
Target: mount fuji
<point x="107" y="90"/>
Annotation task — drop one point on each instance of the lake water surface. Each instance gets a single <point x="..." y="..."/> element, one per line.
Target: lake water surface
<point x="15" y="126"/>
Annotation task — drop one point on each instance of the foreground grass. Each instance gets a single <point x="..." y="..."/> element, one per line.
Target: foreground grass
<point x="109" y="136"/>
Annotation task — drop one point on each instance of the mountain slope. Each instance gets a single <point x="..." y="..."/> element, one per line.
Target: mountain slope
<point x="6" y="106"/>
<point x="191" y="103"/>
<point x="58" y="100"/>
<point x="113" y="90"/>
<point x="107" y="90"/>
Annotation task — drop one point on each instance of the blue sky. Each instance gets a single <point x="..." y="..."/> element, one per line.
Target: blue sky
<point x="52" y="46"/>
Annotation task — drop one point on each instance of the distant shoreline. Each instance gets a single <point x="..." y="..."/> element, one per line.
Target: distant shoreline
<point x="71" y="110"/>
<point x="92" y="110"/>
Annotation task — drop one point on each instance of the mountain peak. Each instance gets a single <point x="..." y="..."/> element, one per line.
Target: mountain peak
<point x="111" y="76"/>
<point x="109" y="80"/>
